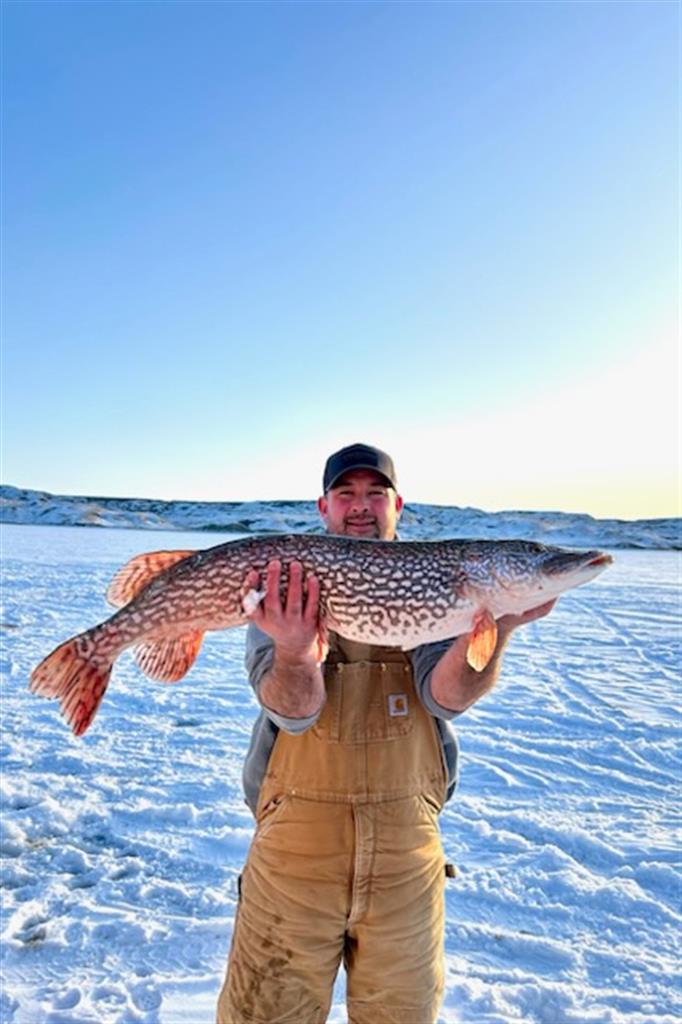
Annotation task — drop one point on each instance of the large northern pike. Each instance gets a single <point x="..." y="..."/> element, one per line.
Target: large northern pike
<point x="398" y="594"/>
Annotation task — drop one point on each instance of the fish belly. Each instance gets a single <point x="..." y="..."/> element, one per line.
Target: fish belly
<point x="407" y="631"/>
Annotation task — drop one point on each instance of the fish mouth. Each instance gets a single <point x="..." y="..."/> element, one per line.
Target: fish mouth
<point x="601" y="560"/>
<point x="564" y="562"/>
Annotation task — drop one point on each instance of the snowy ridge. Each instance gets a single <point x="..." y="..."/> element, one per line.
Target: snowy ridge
<point x="426" y="522"/>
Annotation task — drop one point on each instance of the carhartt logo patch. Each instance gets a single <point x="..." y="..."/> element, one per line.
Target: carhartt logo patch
<point x="397" y="704"/>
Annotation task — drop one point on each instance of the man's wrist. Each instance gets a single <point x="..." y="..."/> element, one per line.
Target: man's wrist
<point x="293" y="660"/>
<point x="294" y="685"/>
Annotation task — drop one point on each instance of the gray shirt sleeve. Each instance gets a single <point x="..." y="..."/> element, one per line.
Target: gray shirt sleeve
<point x="260" y="652"/>
<point x="424" y="660"/>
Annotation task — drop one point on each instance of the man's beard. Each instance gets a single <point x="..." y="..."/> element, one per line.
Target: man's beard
<point x="365" y="527"/>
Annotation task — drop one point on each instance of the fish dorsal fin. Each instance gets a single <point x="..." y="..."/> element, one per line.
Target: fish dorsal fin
<point x="169" y="660"/>
<point x="138" y="572"/>
<point x="482" y="642"/>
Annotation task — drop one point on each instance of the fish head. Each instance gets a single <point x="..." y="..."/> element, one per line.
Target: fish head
<point x="511" y="577"/>
<point x="568" y="569"/>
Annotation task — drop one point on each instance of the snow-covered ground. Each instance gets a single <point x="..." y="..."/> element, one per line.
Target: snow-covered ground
<point x="121" y="850"/>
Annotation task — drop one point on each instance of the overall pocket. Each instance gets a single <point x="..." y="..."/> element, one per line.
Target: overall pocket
<point x="376" y="702"/>
<point x="269" y="815"/>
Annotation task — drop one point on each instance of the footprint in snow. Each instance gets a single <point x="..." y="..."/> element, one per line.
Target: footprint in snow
<point x="71" y="862"/>
<point x="66" y="1000"/>
<point x="21" y="802"/>
<point x="8" y="1007"/>
<point x="146" y="996"/>
<point x="33" y="931"/>
<point x="110" y="995"/>
<point x="88" y="881"/>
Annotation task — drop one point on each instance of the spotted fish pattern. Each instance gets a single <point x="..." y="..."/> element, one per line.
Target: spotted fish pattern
<point x="378" y="592"/>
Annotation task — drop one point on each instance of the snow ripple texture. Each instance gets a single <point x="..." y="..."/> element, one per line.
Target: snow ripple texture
<point x="120" y="852"/>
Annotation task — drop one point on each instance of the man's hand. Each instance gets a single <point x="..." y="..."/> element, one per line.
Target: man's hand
<point x="508" y="623"/>
<point x="294" y="686"/>
<point x="292" y="624"/>
<point x="455" y="685"/>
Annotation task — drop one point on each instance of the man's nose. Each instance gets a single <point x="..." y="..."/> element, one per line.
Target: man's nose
<point x="360" y="503"/>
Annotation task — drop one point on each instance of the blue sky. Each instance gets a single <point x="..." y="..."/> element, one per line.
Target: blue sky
<point x="238" y="236"/>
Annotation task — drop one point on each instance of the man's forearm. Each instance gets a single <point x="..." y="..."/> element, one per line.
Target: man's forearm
<point x="294" y="687"/>
<point x="455" y="685"/>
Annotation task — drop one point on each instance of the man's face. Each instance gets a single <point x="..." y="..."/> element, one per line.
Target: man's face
<point x="361" y="504"/>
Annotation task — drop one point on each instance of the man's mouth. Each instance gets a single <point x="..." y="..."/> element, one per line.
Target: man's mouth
<point x="361" y="525"/>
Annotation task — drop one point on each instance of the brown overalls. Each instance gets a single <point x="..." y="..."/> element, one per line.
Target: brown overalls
<point x="346" y="862"/>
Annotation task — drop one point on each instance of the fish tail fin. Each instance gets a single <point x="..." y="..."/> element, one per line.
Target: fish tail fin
<point x="77" y="676"/>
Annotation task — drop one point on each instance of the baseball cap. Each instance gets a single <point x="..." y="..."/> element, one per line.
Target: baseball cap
<point x="358" y="456"/>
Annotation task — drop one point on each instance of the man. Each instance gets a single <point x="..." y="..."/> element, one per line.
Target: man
<point x="351" y="761"/>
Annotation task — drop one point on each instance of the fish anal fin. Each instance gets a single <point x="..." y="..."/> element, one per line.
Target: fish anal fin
<point x="138" y="572"/>
<point x="482" y="641"/>
<point x="168" y="660"/>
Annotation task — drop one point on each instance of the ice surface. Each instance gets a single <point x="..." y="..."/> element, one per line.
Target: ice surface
<point x="120" y="851"/>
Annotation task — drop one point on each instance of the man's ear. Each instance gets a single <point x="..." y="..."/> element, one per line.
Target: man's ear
<point x="399" y="503"/>
<point x="322" y="506"/>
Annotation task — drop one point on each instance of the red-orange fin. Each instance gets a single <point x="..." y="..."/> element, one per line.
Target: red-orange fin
<point x="322" y="642"/>
<point x="169" y="660"/>
<point x="138" y="572"/>
<point x="482" y="641"/>
<point x="78" y="680"/>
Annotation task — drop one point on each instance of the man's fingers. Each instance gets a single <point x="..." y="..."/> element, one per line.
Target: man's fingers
<point x="537" y="613"/>
<point x="272" y="600"/>
<point x="509" y="622"/>
<point x="295" y="590"/>
<point x="312" y="599"/>
<point x="251" y="581"/>
<point x="251" y="594"/>
<point x="298" y="610"/>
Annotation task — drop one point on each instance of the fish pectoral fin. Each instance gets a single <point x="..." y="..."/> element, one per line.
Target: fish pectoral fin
<point x="138" y="572"/>
<point x="322" y="642"/>
<point x="482" y="641"/>
<point x="169" y="660"/>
